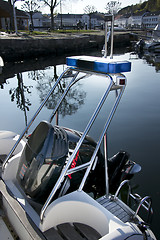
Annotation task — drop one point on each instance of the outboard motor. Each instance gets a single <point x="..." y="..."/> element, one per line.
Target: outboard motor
<point x="44" y="156"/>
<point x="139" y="46"/>
<point x="120" y="168"/>
<point x="47" y="152"/>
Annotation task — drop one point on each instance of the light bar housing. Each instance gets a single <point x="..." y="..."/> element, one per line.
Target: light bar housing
<point x="98" y="64"/>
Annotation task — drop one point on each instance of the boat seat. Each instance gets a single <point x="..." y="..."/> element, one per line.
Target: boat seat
<point x="72" y="231"/>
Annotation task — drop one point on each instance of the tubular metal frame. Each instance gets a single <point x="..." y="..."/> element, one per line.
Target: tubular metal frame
<point x="66" y="171"/>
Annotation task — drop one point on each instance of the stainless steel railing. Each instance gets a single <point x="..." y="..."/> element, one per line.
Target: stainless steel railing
<point x="66" y="171"/>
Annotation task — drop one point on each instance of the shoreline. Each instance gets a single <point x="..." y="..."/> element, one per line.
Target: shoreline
<point x="18" y="48"/>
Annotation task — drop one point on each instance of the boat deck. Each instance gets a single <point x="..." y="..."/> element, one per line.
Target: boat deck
<point x="72" y="231"/>
<point x="78" y="231"/>
<point x="116" y="207"/>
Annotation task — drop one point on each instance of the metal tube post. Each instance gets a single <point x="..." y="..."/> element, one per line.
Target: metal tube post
<point x="106" y="39"/>
<point x="101" y="138"/>
<point x="112" y="33"/>
<point x="106" y="164"/>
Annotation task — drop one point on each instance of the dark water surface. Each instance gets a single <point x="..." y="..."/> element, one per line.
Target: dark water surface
<point x="134" y="128"/>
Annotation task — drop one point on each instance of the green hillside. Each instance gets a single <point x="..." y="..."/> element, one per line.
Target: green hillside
<point x="150" y="5"/>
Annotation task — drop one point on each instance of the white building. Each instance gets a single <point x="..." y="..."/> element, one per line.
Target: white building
<point x="151" y="20"/>
<point x="122" y="21"/>
<point x="136" y="20"/>
<point x="37" y="20"/>
<point x="78" y="20"/>
<point x="67" y="20"/>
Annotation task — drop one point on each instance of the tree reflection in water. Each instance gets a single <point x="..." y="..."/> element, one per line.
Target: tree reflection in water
<point x="45" y="79"/>
<point x="18" y="94"/>
<point x="73" y="100"/>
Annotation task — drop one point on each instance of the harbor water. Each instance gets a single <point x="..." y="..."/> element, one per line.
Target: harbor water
<point x="135" y="127"/>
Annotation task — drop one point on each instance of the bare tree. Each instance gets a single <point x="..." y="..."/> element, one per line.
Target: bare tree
<point x="113" y="7"/>
<point x="89" y="9"/>
<point x="31" y="6"/>
<point x="52" y="4"/>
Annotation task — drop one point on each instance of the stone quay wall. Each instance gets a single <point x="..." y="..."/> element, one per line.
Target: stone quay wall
<point x="20" y="48"/>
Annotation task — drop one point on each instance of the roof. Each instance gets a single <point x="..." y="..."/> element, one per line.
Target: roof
<point x="7" y="7"/>
<point x="69" y="15"/>
<point x="4" y="4"/>
<point x="122" y="16"/>
<point x="157" y="13"/>
<point x="139" y="13"/>
<point x="20" y="13"/>
<point x="97" y="15"/>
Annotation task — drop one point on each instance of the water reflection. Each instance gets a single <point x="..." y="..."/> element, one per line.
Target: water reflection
<point x="71" y="102"/>
<point x="151" y="58"/>
<point x="10" y="69"/>
<point x="45" y="73"/>
<point x="18" y="95"/>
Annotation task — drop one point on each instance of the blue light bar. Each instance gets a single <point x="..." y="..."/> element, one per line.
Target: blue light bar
<point x="98" y="64"/>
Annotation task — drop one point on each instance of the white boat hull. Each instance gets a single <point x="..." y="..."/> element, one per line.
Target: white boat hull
<point x="74" y="207"/>
<point x="48" y="159"/>
<point x="71" y="208"/>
